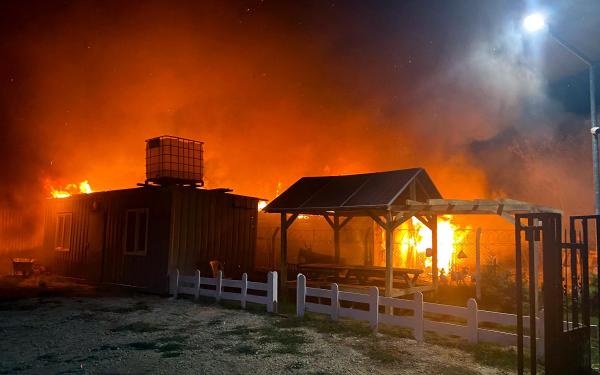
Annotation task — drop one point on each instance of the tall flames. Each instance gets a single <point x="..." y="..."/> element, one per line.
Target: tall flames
<point x="63" y="192"/>
<point x="413" y="238"/>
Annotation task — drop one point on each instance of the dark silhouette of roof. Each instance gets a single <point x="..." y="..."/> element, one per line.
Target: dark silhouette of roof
<point x="369" y="191"/>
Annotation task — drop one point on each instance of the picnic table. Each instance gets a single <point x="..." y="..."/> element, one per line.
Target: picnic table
<point x="361" y="274"/>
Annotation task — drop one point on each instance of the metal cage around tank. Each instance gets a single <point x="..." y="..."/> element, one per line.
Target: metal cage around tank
<point x="174" y="160"/>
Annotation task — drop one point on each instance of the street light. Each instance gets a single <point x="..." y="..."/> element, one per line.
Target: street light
<point x="536" y="22"/>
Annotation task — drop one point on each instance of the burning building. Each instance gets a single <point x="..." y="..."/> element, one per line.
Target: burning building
<point x="409" y="228"/>
<point x="136" y="236"/>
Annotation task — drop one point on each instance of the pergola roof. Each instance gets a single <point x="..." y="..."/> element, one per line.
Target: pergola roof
<point x="369" y="191"/>
<point x="503" y="207"/>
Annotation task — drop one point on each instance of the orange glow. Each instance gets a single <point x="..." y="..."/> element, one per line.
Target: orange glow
<point x="82" y="188"/>
<point x="413" y="238"/>
<point x="262" y="205"/>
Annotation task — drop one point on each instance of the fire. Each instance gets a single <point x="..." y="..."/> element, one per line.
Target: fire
<point x="262" y="205"/>
<point x="82" y="188"/>
<point x="413" y="238"/>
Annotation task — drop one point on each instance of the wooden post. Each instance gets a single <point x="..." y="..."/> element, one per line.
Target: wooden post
<point x="300" y="295"/>
<point x="418" y="331"/>
<point x="373" y="307"/>
<point x="219" y="286"/>
<point x="434" y="250"/>
<point x="336" y="238"/>
<point x="478" y="264"/>
<point x="335" y="301"/>
<point x="244" y="290"/>
<point x="197" y="293"/>
<point x="472" y="321"/>
<point x="272" y="254"/>
<point x="272" y="292"/>
<point x="389" y="260"/>
<point x="283" y="255"/>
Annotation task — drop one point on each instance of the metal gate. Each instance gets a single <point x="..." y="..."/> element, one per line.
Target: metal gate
<point x="565" y="286"/>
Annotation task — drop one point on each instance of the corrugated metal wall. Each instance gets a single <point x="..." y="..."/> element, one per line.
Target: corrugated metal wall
<point x="98" y="225"/>
<point x="147" y="271"/>
<point x="211" y="225"/>
<point x="75" y="262"/>
<point x="186" y="229"/>
<point x="20" y="231"/>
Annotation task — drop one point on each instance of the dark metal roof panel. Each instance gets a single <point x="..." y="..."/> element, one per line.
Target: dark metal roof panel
<point x="301" y="191"/>
<point x="310" y="194"/>
<point x="383" y="187"/>
<point x="336" y="191"/>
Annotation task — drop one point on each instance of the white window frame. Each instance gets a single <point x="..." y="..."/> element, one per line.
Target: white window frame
<point x="59" y="244"/>
<point x="139" y="252"/>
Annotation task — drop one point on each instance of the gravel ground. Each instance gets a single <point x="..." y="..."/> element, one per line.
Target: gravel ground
<point x="141" y="334"/>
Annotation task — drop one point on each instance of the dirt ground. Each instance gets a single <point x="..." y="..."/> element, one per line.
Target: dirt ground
<point x="45" y="330"/>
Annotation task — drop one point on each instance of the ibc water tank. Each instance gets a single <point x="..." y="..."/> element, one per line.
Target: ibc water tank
<point x="174" y="160"/>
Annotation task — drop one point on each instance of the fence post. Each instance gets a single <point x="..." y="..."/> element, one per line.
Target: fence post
<point x="472" y="322"/>
<point x="418" y="317"/>
<point x="175" y="289"/>
<point x="374" y="307"/>
<point x="244" y="290"/>
<point x="272" y="292"/>
<point x="335" y="301"/>
<point x="197" y="293"/>
<point x="219" y="286"/>
<point x="300" y="294"/>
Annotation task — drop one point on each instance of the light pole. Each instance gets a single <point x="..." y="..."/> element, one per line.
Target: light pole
<point x="536" y="22"/>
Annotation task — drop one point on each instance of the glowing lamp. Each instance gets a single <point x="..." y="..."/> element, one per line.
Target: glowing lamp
<point x="534" y="22"/>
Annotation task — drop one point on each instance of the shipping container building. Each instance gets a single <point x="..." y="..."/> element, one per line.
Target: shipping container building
<point x="135" y="237"/>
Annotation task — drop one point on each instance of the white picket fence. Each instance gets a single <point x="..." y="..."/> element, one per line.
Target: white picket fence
<point x="197" y="286"/>
<point x="417" y="322"/>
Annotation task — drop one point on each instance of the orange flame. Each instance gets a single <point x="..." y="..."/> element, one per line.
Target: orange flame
<point x="262" y="205"/>
<point x="413" y="238"/>
<point x="82" y="188"/>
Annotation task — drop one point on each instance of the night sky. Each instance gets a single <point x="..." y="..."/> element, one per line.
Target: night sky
<point x="278" y="90"/>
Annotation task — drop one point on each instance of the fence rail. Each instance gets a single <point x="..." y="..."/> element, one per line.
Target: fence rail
<point x="196" y="286"/>
<point x="417" y="322"/>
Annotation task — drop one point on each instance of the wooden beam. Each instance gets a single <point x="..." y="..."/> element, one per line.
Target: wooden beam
<point x="425" y="220"/>
<point x="345" y="221"/>
<point x="283" y="255"/>
<point x="389" y="260"/>
<point x="389" y="257"/>
<point x="398" y="220"/>
<point x="378" y="220"/>
<point x="336" y="238"/>
<point x="329" y="221"/>
<point x="291" y="219"/>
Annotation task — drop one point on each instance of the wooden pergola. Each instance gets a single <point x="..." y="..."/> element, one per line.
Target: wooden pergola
<point x="389" y="198"/>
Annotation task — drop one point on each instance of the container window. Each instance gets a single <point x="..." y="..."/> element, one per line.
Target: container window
<point x="136" y="231"/>
<point x="62" y="238"/>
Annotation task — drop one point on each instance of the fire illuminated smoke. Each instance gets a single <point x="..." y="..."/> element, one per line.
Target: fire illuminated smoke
<point x="413" y="238"/>
<point x="82" y="188"/>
